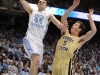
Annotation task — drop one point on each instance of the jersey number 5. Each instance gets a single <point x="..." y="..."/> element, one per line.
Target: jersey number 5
<point x="65" y="42"/>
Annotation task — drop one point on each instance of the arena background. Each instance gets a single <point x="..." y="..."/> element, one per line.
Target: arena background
<point x="13" y="16"/>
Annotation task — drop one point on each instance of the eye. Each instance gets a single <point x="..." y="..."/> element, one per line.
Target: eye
<point x="76" y="25"/>
<point x="41" y="2"/>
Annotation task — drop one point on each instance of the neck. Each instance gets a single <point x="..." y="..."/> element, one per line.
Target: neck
<point x="74" y="34"/>
<point x="41" y="9"/>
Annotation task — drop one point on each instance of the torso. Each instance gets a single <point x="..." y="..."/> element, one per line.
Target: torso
<point x="38" y="24"/>
<point x="66" y="46"/>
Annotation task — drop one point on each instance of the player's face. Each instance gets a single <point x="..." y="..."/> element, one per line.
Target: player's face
<point x="42" y="4"/>
<point x="75" y="27"/>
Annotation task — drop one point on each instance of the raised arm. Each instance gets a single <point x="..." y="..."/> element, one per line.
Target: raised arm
<point x="26" y="6"/>
<point x="66" y="14"/>
<point x="90" y="33"/>
<point x="57" y="22"/>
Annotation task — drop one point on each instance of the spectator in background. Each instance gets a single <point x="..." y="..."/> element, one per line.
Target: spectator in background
<point x="1" y="66"/>
<point x="41" y="72"/>
<point x="25" y="70"/>
<point x="15" y="6"/>
<point x="5" y="72"/>
<point x="48" y="72"/>
<point x="50" y="67"/>
<point x="19" y="69"/>
<point x="6" y="59"/>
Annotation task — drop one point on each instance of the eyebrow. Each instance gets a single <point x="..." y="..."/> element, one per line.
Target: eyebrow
<point x="41" y="1"/>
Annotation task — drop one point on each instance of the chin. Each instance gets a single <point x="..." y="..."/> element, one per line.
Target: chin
<point x="72" y="31"/>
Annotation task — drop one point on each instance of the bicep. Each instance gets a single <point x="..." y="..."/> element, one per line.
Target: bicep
<point x="26" y="6"/>
<point x="87" y="36"/>
<point x="53" y="19"/>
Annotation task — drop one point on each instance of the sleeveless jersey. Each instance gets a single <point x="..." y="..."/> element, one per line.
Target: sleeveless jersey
<point x="66" y="46"/>
<point x="38" y="24"/>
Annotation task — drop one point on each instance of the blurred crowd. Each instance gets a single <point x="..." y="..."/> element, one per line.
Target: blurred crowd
<point x="13" y="60"/>
<point x="87" y="61"/>
<point x="83" y="6"/>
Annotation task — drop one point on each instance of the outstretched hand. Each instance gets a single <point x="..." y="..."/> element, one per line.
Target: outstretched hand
<point x="90" y="12"/>
<point x="64" y="26"/>
<point x="76" y="2"/>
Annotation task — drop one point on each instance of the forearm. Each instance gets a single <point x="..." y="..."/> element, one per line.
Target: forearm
<point x="92" y="24"/>
<point x="67" y="13"/>
<point x="23" y="2"/>
<point x="58" y="24"/>
<point x="55" y="21"/>
<point x="26" y="6"/>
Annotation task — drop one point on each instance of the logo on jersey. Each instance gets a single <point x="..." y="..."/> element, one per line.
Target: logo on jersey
<point x="38" y="21"/>
<point x="68" y="38"/>
<point x="63" y="46"/>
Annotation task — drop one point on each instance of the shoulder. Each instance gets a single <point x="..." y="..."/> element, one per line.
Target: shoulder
<point x="33" y="12"/>
<point x="47" y="12"/>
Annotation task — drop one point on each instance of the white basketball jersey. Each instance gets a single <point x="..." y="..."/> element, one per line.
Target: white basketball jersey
<point x="38" y="24"/>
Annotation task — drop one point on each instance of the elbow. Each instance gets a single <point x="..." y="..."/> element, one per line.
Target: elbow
<point x="94" y="31"/>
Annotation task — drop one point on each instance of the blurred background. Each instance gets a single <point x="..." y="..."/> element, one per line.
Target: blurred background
<point x="13" y="26"/>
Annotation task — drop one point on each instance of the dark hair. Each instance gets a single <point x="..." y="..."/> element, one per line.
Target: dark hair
<point x="81" y="26"/>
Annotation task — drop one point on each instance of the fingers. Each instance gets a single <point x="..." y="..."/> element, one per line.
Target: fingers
<point x="78" y="0"/>
<point x="66" y="25"/>
<point x="91" y="11"/>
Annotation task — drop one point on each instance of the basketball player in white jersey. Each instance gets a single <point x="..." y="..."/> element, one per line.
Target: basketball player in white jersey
<point x="37" y="28"/>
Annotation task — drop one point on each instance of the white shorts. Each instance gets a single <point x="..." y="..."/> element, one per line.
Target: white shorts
<point x="32" y="46"/>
